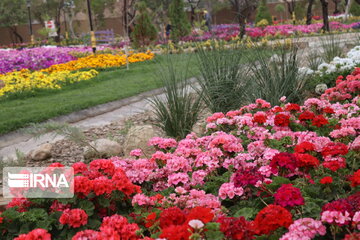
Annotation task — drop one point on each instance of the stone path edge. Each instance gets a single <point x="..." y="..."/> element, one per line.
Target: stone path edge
<point x="19" y="135"/>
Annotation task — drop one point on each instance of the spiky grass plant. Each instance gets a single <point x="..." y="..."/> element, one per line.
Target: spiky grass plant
<point x="178" y="109"/>
<point x="277" y="76"/>
<point x="331" y="47"/>
<point x="223" y="76"/>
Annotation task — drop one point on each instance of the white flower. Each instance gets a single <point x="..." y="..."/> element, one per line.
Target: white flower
<point x="196" y="224"/>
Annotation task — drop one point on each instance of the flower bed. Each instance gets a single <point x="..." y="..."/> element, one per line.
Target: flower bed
<point x="58" y="75"/>
<point x="229" y="31"/>
<point x="100" y="61"/>
<point x="26" y="81"/>
<point x="261" y="172"/>
<point x="34" y="58"/>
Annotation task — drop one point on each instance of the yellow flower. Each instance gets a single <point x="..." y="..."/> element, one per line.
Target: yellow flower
<point x="24" y="80"/>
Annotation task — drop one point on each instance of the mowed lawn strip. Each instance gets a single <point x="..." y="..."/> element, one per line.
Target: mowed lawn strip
<point x="108" y="86"/>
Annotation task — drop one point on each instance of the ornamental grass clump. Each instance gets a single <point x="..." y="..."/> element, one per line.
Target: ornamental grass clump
<point x="223" y="77"/>
<point x="278" y="76"/>
<point x="331" y="48"/>
<point x="179" y="110"/>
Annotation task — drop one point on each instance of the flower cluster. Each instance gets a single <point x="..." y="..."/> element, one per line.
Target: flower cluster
<point x="25" y="81"/>
<point x="100" y="61"/>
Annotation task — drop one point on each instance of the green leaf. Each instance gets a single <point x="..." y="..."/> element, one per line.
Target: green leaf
<point x="248" y="213"/>
<point x="87" y="206"/>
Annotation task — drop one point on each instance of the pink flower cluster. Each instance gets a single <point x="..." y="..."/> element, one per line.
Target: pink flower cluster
<point x="304" y="229"/>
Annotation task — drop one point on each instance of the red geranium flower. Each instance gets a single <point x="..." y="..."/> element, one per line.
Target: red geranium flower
<point x="271" y="218"/>
<point x="176" y="232"/>
<point x="355" y="179"/>
<point x="236" y="228"/>
<point x="74" y="217"/>
<point x="282" y="120"/>
<point x="288" y="196"/>
<point x="307" y="160"/>
<point x="333" y="149"/>
<point x="326" y="180"/>
<point x="284" y="160"/>
<point x="319" y="121"/>
<point x="36" y="234"/>
<point x="304" y="147"/>
<point x="306" y="116"/>
<point x="292" y="107"/>
<point x="171" y="216"/>
<point x="200" y="213"/>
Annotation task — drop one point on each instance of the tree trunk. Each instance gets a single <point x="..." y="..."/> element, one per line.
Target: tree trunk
<point x="192" y="16"/>
<point x="336" y="10"/>
<point x="17" y="35"/>
<point x="347" y="10"/>
<point x="309" y="12"/>
<point x="325" y="13"/>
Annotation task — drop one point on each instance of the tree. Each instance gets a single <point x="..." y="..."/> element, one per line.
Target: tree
<point x="144" y="32"/>
<point x="291" y="6"/>
<point x="309" y="12"/>
<point x="180" y="25"/>
<point x="12" y="14"/>
<point x="355" y="9"/>
<point x="336" y="4"/>
<point x="325" y="13"/>
<point x="280" y="9"/>
<point x="244" y="9"/>
<point x="46" y="10"/>
<point x="300" y="10"/>
<point x="263" y="12"/>
<point x="193" y="4"/>
<point x="98" y="8"/>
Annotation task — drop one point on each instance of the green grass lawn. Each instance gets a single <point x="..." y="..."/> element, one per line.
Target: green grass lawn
<point x="108" y="86"/>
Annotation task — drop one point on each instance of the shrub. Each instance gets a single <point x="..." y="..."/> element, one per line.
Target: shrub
<point x="263" y="12"/>
<point x="179" y="111"/>
<point x="355" y="9"/>
<point x="144" y="32"/>
<point x="278" y="76"/>
<point x="180" y="25"/>
<point x="222" y="77"/>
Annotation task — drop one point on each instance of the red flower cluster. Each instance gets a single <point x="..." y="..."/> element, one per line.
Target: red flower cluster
<point x="307" y="160"/>
<point x="282" y="120"/>
<point x="326" y="180"/>
<point x="306" y="116"/>
<point x="236" y="228"/>
<point x="334" y="149"/>
<point x="172" y="216"/>
<point x="74" y="217"/>
<point x="355" y="179"/>
<point x="102" y="178"/>
<point x="352" y="236"/>
<point x="284" y="160"/>
<point x="341" y="205"/>
<point x="288" y="196"/>
<point x="320" y="121"/>
<point x="260" y="118"/>
<point x="175" y="232"/>
<point x="119" y="225"/>
<point x="304" y="147"/>
<point x="247" y="176"/>
<point x="36" y="234"/>
<point x="271" y="218"/>
<point x="292" y="107"/>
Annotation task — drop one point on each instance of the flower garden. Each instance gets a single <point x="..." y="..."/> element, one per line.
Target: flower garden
<point x="43" y="68"/>
<point x="246" y="131"/>
<point x="260" y="172"/>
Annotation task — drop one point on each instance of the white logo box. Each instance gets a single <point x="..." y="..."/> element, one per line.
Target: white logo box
<point x="38" y="182"/>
